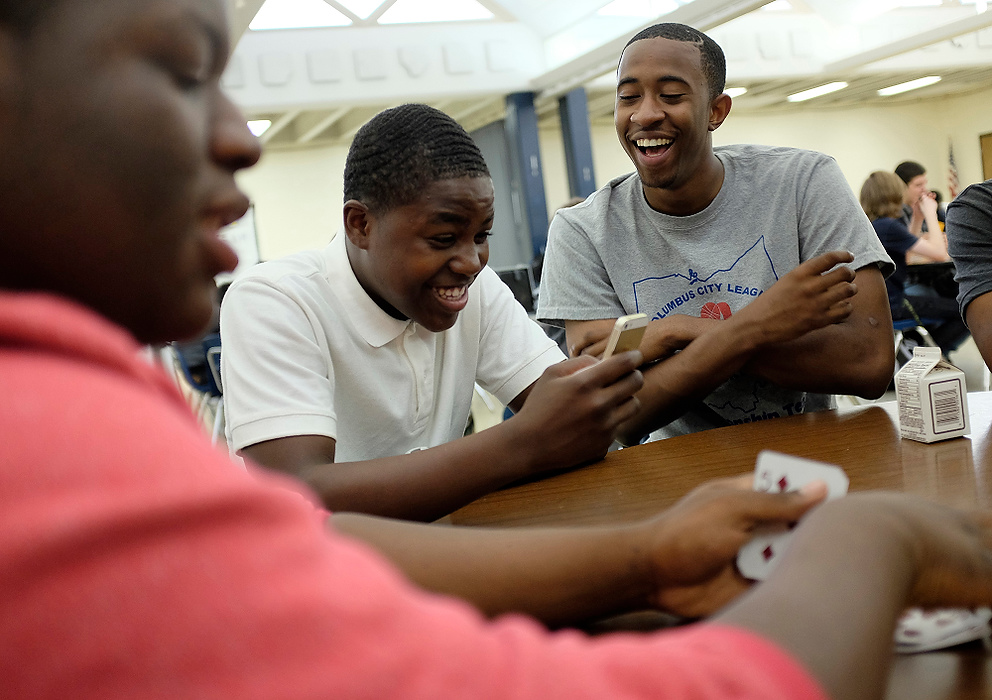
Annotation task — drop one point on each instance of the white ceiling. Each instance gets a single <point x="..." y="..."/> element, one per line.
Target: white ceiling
<point x="318" y="85"/>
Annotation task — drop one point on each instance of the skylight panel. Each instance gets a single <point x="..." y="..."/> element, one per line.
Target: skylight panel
<point x="259" y="126"/>
<point x="412" y="11"/>
<point x="639" y="8"/>
<point x="296" y="14"/>
<point x="361" y="8"/>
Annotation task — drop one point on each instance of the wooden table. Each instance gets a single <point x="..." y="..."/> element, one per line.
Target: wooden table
<point x="639" y="481"/>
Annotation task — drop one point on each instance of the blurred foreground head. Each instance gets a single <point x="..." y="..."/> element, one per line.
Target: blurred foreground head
<point x="117" y="157"/>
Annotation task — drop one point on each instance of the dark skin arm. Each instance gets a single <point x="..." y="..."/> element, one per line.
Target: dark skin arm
<point x="681" y="561"/>
<point x="854" y="356"/>
<point x="978" y="315"/>
<point x="568" y="418"/>
<point x="806" y="311"/>
<point x="894" y="551"/>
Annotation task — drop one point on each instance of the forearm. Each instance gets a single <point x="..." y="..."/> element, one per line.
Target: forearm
<point x="662" y="338"/>
<point x="673" y="385"/>
<point x="833" y="601"/>
<point x="853" y="357"/>
<point x="916" y="223"/>
<point x="556" y="575"/>
<point x="978" y="314"/>
<point x="934" y="234"/>
<point x="426" y="484"/>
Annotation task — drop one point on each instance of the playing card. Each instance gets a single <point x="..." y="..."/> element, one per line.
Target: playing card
<point x="777" y="473"/>
<point x="919" y="630"/>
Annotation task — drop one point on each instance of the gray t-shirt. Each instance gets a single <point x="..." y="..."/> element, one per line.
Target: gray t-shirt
<point x="614" y="255"/>
<point x="969" y="241"/>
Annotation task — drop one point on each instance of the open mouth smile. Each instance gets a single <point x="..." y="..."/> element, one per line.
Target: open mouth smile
<point x="653" y="147"/>
<point x="452" y="298"/>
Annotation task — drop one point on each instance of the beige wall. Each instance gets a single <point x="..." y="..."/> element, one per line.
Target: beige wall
<point x="297" y="194"/>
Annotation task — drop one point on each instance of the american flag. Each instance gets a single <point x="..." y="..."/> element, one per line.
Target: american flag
<point x="952" y="172"/>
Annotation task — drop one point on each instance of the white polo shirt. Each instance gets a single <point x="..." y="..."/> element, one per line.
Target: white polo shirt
<point x="305" y="351"/>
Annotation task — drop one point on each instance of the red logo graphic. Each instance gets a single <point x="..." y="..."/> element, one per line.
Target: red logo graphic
<point x="719" y="311"/>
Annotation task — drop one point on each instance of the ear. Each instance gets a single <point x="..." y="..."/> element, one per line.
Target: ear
<point x="719" y="109"/>
<point x="357" y="223"/>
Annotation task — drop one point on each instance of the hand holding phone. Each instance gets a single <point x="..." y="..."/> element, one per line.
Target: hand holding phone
<point x="626" y="335"/>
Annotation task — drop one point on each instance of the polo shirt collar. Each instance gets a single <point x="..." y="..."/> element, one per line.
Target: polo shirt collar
<point x="375" y="326"/>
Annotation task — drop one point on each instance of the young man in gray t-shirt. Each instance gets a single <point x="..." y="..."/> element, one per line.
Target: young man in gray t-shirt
<point x="731" y="252"/>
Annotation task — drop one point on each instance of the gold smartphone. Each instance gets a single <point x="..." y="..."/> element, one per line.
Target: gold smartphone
<point x="627" y="334"/>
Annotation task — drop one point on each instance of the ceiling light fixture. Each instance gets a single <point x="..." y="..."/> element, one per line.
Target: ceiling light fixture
<point x="816" y="92"/>
<point x="735" y="91"/>
<point x="909" y="85"/>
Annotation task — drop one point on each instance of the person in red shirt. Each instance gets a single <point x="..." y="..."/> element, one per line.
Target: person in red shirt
<point x="136" y="561"/>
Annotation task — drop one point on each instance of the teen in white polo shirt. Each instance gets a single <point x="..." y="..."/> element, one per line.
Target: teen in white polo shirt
<point x="339" y="365"/>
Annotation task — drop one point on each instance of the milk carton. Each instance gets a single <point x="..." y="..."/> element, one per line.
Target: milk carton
<point x="933" y="402"/>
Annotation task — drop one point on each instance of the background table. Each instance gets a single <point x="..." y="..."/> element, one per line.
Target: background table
<point x="637" y="482"/>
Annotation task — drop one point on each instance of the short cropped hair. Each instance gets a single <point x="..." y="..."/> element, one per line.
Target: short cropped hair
<point x="712" y="60"/>
<point x="881" y="195"/>
<point x="402" y="150"/>
<point x="909" y="169"/>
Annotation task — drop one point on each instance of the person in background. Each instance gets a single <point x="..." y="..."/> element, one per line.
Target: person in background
<point x="941" y="207"/>
<point x="726" y="250"/>
<point x="353" y="367"/>
<point x="969" y="238"/>
<point x="882" y="195"/>
<point x="138" y="562"/>
<point x="919" y="205"/>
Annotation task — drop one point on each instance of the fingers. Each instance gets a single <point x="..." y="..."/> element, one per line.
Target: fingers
<point x="572" y="365"/>
<point x="758" y="507"/>
<point x="825" y="261"/>
<point x="733" y="497"/>
<point x="595" y="349"/>
<point x="605" y="372"/>
<point x="592" y="340"/>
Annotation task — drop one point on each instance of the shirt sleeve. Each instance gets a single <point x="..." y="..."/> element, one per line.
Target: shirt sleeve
<point x="514" y="350"/>
<point x="969" y="241"/>
<point x="575" y="284"/>
<point x="832" y="219"/>
<point x="276" y="376"/>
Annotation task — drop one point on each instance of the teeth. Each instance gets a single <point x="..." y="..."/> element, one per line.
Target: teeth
<point x="451" y="293"/>
<point x="647" y="143"/>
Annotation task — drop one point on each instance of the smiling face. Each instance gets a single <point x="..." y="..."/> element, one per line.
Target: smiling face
<point x="664" y="115"/>
<point x="117" y="160"/>
<point x="418" y="260"/>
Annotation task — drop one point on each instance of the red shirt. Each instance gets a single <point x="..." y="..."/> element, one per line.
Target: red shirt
<point x="136" y="561"/>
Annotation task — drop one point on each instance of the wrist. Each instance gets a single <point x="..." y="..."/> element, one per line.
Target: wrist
<point x="517" y="447"/>
<point x="639" y="542"/>
<point x="746" y="335"/>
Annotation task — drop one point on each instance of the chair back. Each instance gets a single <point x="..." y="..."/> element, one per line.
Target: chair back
<point x="193" y="361"/>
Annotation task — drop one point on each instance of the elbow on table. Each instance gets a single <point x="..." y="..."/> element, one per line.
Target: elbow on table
<point x="627" y="436"/>
<point x="872" y="373"/>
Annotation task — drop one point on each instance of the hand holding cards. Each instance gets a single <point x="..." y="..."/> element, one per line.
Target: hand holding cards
<point x="777" y="473"/>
